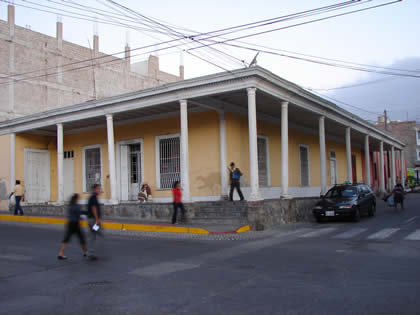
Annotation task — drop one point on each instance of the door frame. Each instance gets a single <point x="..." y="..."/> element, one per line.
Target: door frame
<point x="331" y="159"/>
<point x="25" y="169"/>
<point x="118" y="161"/>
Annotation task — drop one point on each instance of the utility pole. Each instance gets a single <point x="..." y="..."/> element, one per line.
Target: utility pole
<point x="386" y="120"/>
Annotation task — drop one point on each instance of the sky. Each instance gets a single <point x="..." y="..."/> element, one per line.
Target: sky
<point x="386" y="36"/>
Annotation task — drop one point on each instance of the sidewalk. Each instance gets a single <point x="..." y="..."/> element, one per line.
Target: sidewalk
<point x="134" y="225"/>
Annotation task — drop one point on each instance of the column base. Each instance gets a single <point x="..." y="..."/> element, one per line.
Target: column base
<point x="286" y="196"/>
<point x="255" y="197"/>
<point x="113" y="202"/>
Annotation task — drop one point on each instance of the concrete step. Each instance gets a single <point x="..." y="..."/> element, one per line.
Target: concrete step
<point x="217" y="221"/>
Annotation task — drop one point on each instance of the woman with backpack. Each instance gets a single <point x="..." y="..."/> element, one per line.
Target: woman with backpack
<point x="398" y="193"/>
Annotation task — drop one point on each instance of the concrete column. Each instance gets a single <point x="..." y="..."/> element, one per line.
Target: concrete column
<point x="60" y="49"/>
<point x="367" y="161"/>
<point x="185" y="163"/>
<point x="12" y="160"/>
<point x="11" y="20"/>
<point x="253" y="148"/>
<point x="348" y="155"/>
<point x="393" y="170"/>
<point x="403" y="170"/>
<point x="323" y="154"/>
<point x="60" y="163"/>
<point x="111" y="158"/>
<point x="223" y="162"/>
<point x="284" y="150"/>
<point x="381" y="169"/>
<point x="127" y="58"/>
<point x="96" y="45"/>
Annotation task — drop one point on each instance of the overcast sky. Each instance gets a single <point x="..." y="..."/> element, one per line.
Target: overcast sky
<point x="387" y="36"/>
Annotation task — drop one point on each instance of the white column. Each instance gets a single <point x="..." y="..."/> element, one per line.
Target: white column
<point x="223" y="162"/>
<point x="111" y="158"/>
<point x="393" y="170"/>
<point x="348" y="155"/>
<point x="381" y="169"/>
<point x="253" y="148"/>
<point x="403" y="170"/>
<point x="323" y="154"/>
<point x="12" y="160"/>
<point x="367" y="161"/>
<point x="60" y="163"/>
<point x="185" y="168"/>
<point x="284" y="150"/>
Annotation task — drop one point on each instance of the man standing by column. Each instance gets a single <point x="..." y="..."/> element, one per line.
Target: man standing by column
<point x="235" y="176"/>
<point x="94" y="220"/>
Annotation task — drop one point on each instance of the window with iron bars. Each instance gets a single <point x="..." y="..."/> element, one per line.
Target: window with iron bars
<point x="169" y="161"/>
<point x="92" y="167"/>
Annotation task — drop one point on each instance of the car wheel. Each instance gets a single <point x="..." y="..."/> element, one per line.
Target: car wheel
<point x="372" y="210"/>
<point x="356" y="215"/>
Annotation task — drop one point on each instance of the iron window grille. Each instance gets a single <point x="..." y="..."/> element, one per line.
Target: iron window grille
<point x="169" y="161"/>
<point x="92" y="167"/>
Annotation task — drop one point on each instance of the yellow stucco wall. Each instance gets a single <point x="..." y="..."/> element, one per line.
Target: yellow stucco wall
<point x="203" y="152"/>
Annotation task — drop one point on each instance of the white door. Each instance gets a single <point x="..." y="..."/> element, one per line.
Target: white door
<point x="37" y="175"/>
<point x="68" y="175"/>
<point x="124" y="171"/>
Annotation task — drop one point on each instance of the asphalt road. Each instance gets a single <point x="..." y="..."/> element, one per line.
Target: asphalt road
<point x="370" y="267"/>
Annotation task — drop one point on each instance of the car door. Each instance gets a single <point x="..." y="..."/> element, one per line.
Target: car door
<point x="362" y="199"/>
<point x="366" y="197"/>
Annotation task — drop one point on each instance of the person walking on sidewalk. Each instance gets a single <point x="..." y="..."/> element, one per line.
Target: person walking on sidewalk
<point x="398" y="192"/>
<point x="177" y="201"/>
<point x="235" y="176"/>
<point x="19" y="192"/>
<point x="94" y="221"/>
<point x="73" y="226"/>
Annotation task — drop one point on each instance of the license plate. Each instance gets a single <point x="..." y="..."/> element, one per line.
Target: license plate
<point x="329" y="213"/>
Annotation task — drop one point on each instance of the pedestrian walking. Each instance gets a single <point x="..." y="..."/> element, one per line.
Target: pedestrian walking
<point x="398" y="193"/>
<point x="73" y="227"/>
<point x="19" y="192"/>
<point x="177" y="201"/>
<point x="94" y="221"/>
<point x="235" y="177"/>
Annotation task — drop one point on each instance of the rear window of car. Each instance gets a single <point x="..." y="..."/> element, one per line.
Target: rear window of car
<point x="337" y="192"/>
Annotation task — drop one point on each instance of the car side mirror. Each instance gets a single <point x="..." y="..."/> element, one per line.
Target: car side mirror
<point x="322" y="196"/>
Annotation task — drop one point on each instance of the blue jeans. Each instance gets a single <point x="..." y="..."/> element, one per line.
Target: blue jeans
<point x="18" y="206"/>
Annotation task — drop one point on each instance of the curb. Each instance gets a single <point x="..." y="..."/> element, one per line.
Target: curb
<point x="119" y="226"/>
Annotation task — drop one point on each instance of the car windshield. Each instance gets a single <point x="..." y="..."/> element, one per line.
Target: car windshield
<point x="341" y="192"/>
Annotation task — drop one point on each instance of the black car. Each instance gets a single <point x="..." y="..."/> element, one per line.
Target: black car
<point x="351" y="201"/>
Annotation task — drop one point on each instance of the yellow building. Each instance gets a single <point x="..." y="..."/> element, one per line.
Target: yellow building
<point x="287" y="142"/>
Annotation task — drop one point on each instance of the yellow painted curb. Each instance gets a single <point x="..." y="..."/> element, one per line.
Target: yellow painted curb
<point x="242" y="229"/>
<point x="113" y="225"/>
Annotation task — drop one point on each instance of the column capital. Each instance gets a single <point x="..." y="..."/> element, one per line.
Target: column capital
<point x="59" y="125"/>
<point x="109" y="116"/>
<point x="251" y="90"/>
<point x="322" y="118"/>
<point x="284" y="104"/>
<point x="183" y="102"/>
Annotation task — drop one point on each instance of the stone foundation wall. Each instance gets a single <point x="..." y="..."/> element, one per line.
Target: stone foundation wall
<point x="260" y="215"/>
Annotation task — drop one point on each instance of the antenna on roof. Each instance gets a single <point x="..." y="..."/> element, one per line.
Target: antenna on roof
<point x="254" y="61"/>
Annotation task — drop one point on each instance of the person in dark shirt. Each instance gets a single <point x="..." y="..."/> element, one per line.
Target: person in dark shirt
<point x="94" y="220"/>
<point x="73" y="226"/>
<point x="235" y="176"/>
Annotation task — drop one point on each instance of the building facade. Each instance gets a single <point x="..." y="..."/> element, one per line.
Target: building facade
<point x="287" y="141"/>
<point x="40" y="73"/>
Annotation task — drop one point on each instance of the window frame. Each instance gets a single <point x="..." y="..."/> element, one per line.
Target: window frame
<point x="417" y="136"/>
<point x="267" y="149"/>
<point x="418" y="155"/>
<point x="157" y="157"/>
<point x="95" y="146"/>
<point x="309" y="166"/>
